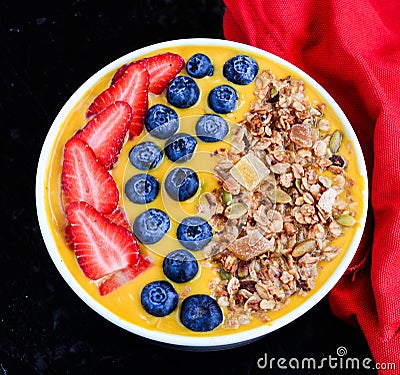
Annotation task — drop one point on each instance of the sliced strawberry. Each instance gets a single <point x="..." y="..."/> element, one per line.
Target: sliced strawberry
<point x="68" y="236"/>
<point x="101" y="247"/>
<point x="118" y="217"/>
<point x="132" y="88"/>
<point x="121" y="277"/>
<point x="118" y="74"/>
<point x="85" y="179"/>
<point x="105" y="134"/>
<point x="162" y="69"/>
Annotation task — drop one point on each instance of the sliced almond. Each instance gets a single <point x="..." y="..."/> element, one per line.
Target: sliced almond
<point x="280" y="168"/>
<point x="267" y="304"/>
<point x="246" y="248"/>
<point x="207" y="206"/>
<point x="327" y="200"/>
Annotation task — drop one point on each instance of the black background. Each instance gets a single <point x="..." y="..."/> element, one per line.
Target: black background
<point x="47" y="51"/>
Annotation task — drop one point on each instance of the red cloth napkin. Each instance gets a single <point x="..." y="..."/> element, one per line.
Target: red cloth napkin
<point x="352" y="48"/>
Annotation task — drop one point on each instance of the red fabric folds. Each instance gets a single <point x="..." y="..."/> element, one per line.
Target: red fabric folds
<point x="352" y="48"/>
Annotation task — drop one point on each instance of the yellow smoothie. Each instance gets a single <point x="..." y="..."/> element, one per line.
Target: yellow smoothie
<point x="125" y="301"/>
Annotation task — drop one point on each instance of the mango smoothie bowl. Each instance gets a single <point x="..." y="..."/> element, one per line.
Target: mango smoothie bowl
<point x="201" y="193"/>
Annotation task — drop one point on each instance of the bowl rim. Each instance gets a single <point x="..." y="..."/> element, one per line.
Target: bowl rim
<point x="221" y="341"/>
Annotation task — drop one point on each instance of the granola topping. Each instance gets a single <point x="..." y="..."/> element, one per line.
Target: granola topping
<point x="283" y="197"/>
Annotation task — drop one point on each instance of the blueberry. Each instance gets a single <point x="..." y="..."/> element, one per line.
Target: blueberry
<point x="142" y="188"/>
<point x="161" y="121"/>
<point x="200" y="313"/>
<point x="199" y="66"/>
<point x="194" y="233"/>
<point x="180" y="147"/>
<point x="150" y="226"/>
<point x="159" y="298"/>
<point x="183" y="92"/>
<point x="240" y="69"/>
<point x="145" y="156"/>
<point x="223" y="99"/>
<point x="180" y="266"/>
<point x="181" y="183"/>
<point x="211" y="128"/>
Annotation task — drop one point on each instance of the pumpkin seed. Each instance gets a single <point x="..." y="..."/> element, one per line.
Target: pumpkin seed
<point x="274" y="96"/>
<point x="336" y="141"/>
<point x="262" y="291"/>
<point x="304" y="247"/>
<point x="226" y="198"/>
<point x="346" y="220"/>
<point x="278" y="196"/>
<point x="298" y="185"/>
<point x="225" y="275"/>
<point x="242" y="271"/>
<point x="235" y="211"/>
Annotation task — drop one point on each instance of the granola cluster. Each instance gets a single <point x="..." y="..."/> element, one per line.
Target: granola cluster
<point x="284" y="196"/>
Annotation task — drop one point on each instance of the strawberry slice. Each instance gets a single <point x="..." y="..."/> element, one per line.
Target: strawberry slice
<point x="105" y="134"/>
<point x="119" y="73"/>
<point x="162" y="69"/>
<point x="132" y="88"/>
<point x="118" y="217"/>
<point x="101" y="247"/>
<point x="85" y="179"/>
<point x="121" y="277"/>
<point x="68" y="236"/>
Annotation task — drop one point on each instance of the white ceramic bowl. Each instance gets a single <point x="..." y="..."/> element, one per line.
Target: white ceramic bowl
<point x="192" y="342"/>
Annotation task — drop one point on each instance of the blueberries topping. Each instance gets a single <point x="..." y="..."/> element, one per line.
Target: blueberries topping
<point x="181" y="183"/>
<point x="180" y="266"/>
<point x="223" y="99"/>
<point x="211" y="128"/>
<point x="159" y="298"/>
<point x="180" y="147"/>
<point x="183" y="92"/>
<point x="200" y="313"/>
<point x="142" y="188"/>
<point x="161" y="121"/>
<point x="240" y="69"/>
<point x="194" y="233"/>
<point x="199" y="66"/>
<point x="145" y="156"/>
<point x="150" y="226"/>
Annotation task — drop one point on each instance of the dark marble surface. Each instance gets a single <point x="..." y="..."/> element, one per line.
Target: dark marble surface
<point x="47" y="50"/>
